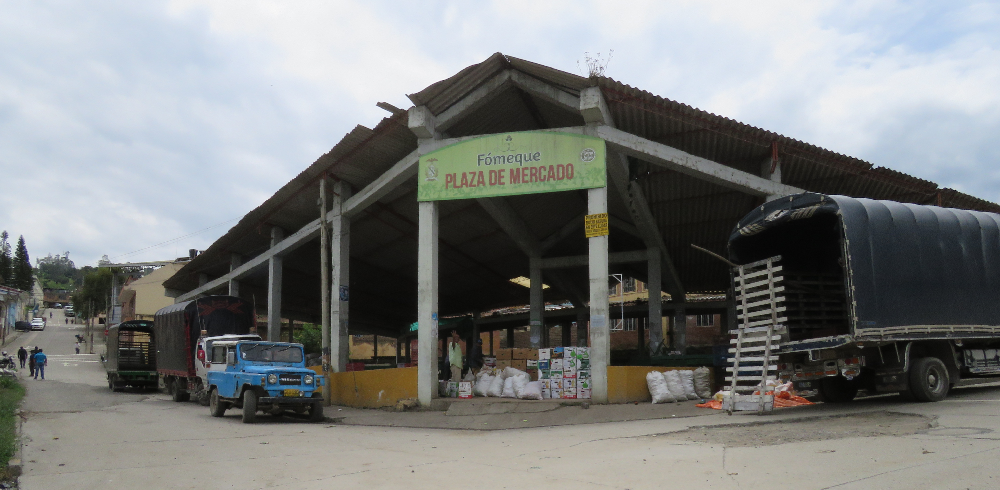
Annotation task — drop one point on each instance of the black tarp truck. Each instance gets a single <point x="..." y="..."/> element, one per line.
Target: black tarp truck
<point x="179" y="327"/>
<point x="879" y="295"/>
<point x="129" y="356"/>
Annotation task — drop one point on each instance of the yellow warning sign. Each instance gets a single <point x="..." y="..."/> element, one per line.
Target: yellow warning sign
<point x="596" y="225"/>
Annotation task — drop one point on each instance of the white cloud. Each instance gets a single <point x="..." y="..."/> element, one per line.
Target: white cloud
<point x="127" y="124"/>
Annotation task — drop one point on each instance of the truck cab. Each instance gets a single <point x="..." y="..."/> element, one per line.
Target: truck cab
<point x="264" y="376"/>
<point x="211" y="354"/>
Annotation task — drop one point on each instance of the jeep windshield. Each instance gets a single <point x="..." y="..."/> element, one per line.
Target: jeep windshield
<point x="271" y="353"/>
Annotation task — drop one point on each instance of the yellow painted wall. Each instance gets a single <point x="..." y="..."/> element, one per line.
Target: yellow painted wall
<point x="627" y="384"/>
<point x="372" y="389"/>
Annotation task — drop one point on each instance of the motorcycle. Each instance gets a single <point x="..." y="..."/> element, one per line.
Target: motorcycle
<point x="7" y="364"/>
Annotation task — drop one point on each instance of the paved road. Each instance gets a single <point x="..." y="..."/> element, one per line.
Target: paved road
<point x="79" y="435"/>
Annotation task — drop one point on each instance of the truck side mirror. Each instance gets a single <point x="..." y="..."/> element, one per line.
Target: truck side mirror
<point x="231" y="358"/>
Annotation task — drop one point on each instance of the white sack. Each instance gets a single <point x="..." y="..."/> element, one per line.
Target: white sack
<point x="658" y="388"/>
<point x="520" y="381"/>
<point x="687" y="382"/>
<point x="482" y="386"/>
<point x="509" y="372"/>
<point x="674" y="384"/>
<point x="532" y="391"/>
<point x="469" y="377"/>
<point x="496" y="386"/>
<point x="703" y="382"/>
<point x="508" y="388"/>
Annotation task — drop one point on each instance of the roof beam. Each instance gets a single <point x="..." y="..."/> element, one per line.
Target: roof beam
<point x="545" y="91"/>
<point x="512" y="224"/>
<point x="688" y="164"/>
<point x="472" y="101"/>
<point x="583" y="260"/>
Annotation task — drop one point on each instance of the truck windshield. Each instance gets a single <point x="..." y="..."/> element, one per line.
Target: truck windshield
<point x="271" y="353"/>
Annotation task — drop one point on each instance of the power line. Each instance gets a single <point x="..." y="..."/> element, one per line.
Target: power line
<point x="172" y="240"/>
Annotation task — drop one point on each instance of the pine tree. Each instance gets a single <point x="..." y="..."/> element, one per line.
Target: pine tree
<point x="5" y="260"/>
<point x="22" y="277"/>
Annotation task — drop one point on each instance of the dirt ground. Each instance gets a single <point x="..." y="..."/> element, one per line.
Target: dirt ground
<point x="871" y="424"/>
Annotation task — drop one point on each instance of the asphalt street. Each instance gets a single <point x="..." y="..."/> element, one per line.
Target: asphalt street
<point x="79" y="435"/>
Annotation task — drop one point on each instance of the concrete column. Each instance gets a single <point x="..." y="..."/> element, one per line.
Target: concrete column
<point x="427" y="302"/>
<point x="274" y="266"/>
<point x="654" y="287"/>
<point x="340" y="274"/>
<point x="536" y="321"/>
<point x="680" y="329"/>
<point x="235" y="260"/>
<point x="600" y="336"/>
<point x="493" y="333"/>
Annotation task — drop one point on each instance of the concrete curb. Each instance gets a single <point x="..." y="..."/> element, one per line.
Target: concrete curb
<point x="14" y="466"/>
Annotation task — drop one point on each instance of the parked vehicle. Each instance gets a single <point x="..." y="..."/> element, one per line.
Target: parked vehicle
<point x="878" y="295"/>
<point x="38" y="324"/>
<point x="130" y="357"/>
<point x="265" y="376"/>
<point x="22" y="326"/>
<point x="68" y="311"/>
<point x="184" y="332"/>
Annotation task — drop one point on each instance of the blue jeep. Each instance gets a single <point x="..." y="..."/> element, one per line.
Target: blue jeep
<point x="267" y="376"/>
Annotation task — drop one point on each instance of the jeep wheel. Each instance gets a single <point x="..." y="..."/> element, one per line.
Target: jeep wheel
<point x="316" y="412"/>
<point x="215" y="406"/>
<point x="929" y="381"/>
<point x="249" y="406"/>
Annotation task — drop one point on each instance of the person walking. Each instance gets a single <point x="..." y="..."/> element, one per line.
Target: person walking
<point x="31" y="360"/>
<point x="41" y="360"/>
<point x="77" y="347"/>
<point x="22" y="355"/>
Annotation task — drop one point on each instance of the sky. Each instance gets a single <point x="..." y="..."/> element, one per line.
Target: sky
<point x="139" y="130"/>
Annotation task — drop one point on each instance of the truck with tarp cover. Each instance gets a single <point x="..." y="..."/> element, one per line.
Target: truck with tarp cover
<point x="129" y="356"/>
<point x="184" y="334"/>
<point x="878" y="295"/>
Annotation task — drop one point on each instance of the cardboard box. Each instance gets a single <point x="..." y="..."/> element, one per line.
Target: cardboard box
<point x="519" y="364"/>
<point x="569" y="352"/>
<point x="555" y="393"/>
<point x="555" y="384"/>
<point x="544" y="364"/>
<point x="557" y="353"/>
<point x="583" y="394"/>
<point x="490" y="362"/>
<point x="570" y="363"/>
<point x="546" y="394"/>
<point x="533" y="373"/>
<point x="531" y="355"/>
<point x="544" y="354"/>
<point x="546" y="384"/>
<point x="569" y="388"/>
<point x="465" y="389"/>
<point x="583" y="352"/>
<point x="544" y="374"/>
<point x="583" y="374"/>
<point x="532" y="364"/>
<point x="505" y="354"/>
<point x="556" y="364"/>
<point x="584" y="364"/>
<point x="453" y="389"/>
<point x="503" y="364"/>
<point x="555" y="374"/>
<point x="583" y="383"/>
<point x="569" y="373"/>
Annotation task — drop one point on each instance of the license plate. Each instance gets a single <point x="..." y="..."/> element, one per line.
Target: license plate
<point x="293" y="393"/>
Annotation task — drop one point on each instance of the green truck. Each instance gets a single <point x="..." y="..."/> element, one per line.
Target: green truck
<point x="130" y="356"/>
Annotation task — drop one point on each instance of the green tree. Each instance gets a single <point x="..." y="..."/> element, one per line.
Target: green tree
<point x="311" y="337"/>
<point x="5" y="259"/>
<point x="58" y="272"/>
<point x="92" y="297"/>
<point x="22" y="276"/>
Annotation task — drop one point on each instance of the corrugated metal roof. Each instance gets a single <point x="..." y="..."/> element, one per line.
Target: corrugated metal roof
<point x="477" y="258"/>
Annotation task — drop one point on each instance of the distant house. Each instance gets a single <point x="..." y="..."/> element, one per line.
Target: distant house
<point x="52" y="297"/>
<point x="141" y="297"/>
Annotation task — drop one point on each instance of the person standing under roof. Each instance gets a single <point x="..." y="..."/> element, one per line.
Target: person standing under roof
<point x="455" y="356"/>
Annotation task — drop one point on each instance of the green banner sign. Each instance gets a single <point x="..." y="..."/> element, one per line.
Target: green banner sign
<point x="512" y="163"/>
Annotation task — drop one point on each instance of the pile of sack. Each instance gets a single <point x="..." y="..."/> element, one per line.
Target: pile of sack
<point x="507" y="383"/>
<point x="679" y="385"/>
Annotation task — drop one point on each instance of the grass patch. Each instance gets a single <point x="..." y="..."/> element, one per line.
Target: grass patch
<point x="11" y="393"/>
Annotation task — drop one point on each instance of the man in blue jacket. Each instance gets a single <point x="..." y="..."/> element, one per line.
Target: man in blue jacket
<point x="41" y="360"/>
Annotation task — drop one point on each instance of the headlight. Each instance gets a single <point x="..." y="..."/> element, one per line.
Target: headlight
<point x="272" y="379"/>
<point x="308" y="379"/>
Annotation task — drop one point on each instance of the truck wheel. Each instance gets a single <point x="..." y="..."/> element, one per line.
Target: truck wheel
<point x="177" y="393"/>
<point x="316" y="412"/>
<point x="929" y="380"/>
<point x="249" y="406"/>
<point x="838" y="389"/>
<point x="111" y="384"/>
<point x="215" y="406"/>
